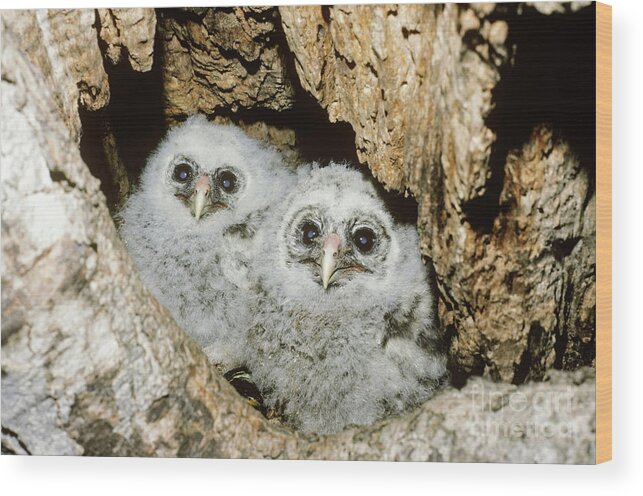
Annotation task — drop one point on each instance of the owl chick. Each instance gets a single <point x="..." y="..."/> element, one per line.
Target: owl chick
<point x="344" y="329"/>
<point x="190" y="228"/>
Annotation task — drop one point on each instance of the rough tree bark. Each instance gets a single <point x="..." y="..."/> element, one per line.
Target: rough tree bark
<point x="91" y="364"/>
<point x="224" y="61"/>
<point x="129" y="31"/>
<point x="222" y="58"/>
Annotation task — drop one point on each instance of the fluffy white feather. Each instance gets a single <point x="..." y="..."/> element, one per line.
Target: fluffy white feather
<point x="198" y="267"/>
<point x="367" y="345"/>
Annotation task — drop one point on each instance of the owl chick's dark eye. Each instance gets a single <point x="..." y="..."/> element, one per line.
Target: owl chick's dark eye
<point x="310" y="231"/>
<point x="228" y="181"/>
<point x="364" y="239"/>
<point x="182" y="173"/>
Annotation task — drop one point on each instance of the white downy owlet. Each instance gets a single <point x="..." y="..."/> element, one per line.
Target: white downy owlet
<point x="191" y="227"/>
<point x="344" y="325"/>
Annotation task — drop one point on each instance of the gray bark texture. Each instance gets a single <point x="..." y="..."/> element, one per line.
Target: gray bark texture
<point x="93" y="365"/>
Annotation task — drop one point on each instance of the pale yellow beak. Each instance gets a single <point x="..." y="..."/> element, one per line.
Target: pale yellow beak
<point x="330" y="252"/>
<point x="200" y="197"/>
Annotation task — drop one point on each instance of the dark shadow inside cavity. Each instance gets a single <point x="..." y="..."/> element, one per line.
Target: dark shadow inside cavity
<point x="117" y="139"/>
<point x="136" y="115"/>
<point x="552" y="82"/>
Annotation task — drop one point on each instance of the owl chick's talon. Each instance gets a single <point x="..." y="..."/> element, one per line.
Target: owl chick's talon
<point x="241" y="380"/>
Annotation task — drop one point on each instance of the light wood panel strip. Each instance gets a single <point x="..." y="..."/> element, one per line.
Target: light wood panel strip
<point x="603" y="233"/>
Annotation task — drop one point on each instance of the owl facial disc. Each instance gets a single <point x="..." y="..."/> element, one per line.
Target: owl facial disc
<point x="205" y="195"/>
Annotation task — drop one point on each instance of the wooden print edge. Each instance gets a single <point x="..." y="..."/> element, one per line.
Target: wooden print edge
<point x="603" y="232"/>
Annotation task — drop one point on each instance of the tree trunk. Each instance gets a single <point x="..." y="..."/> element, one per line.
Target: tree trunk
<point x="91" y="364"/>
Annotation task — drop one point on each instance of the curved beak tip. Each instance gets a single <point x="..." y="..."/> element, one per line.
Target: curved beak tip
<point x="328" y="264"/>
<point x="201" y="193"/>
